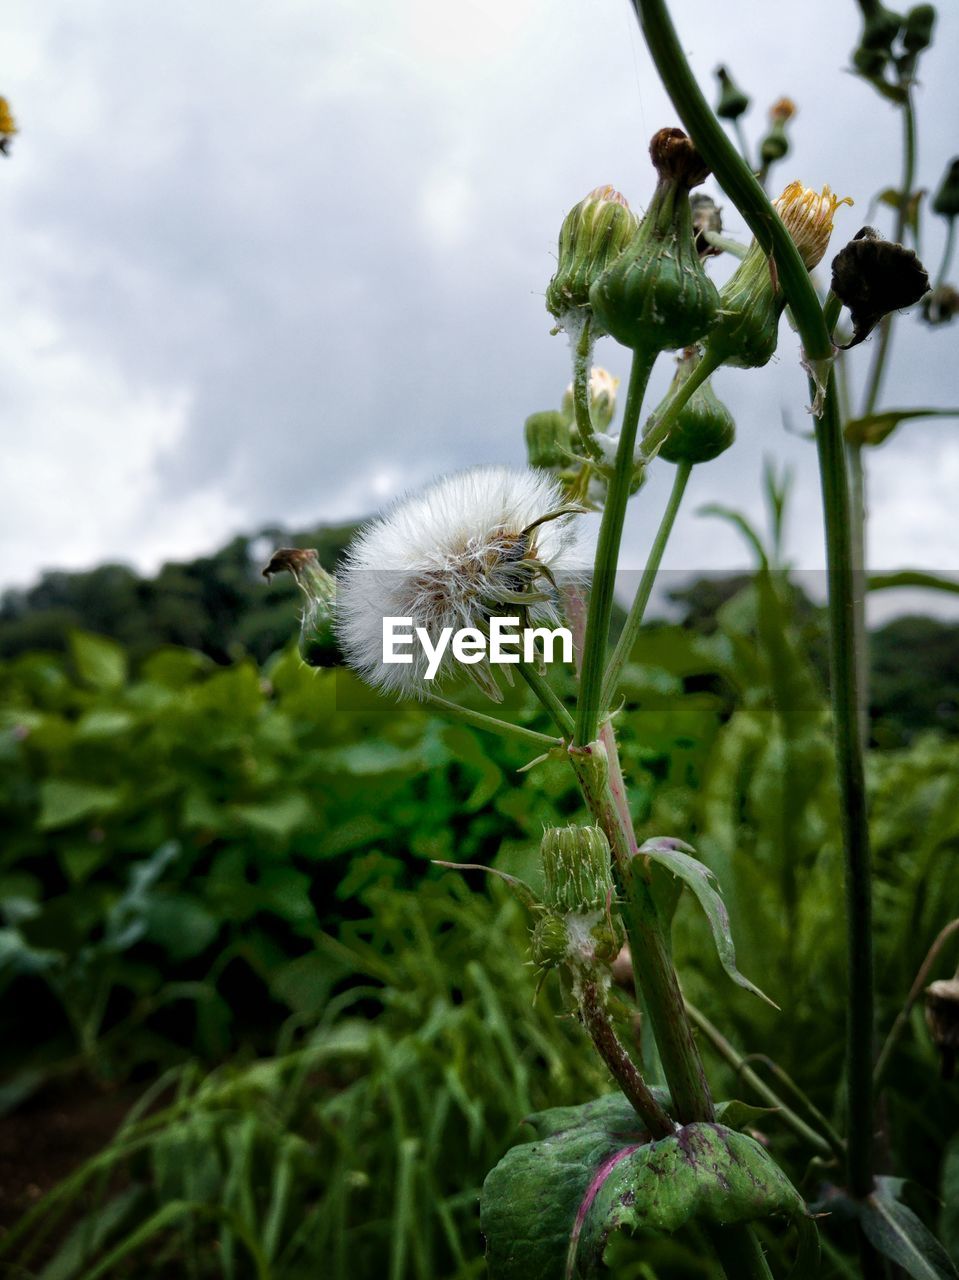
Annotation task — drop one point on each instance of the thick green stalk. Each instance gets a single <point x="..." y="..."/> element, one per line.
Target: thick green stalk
<point x="607" y="555"/>
<point x="634" y="620"/>
<point x="735" y="178"/>
<point x="600" y="779"/>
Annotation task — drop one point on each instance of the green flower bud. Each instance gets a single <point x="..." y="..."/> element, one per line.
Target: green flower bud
<point x="549" y="942"/>
<point x="577" y="869"/>
<point x="593" y="234"/>
<point x="732" y="101"/>
<point x="548" y="439"/>
<point x="941" y="305"/>
<point x="704" y="428"/>
<point x="880" y="29"/>
<point x="775" y="145"/>
<point x="918" y="27"/>
<point x="946" y="199"/>
<point x="748" y="327"/>
<point x="318" y="644"/>
<point x="656" y="294"/>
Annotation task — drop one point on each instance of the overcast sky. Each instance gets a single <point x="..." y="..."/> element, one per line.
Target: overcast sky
<point x="280" y="262"/>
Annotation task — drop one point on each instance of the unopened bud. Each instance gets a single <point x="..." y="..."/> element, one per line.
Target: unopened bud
<point x="872" y="277"/>
<point x="548" y="439"/>
<point x="775" y="145"/>
<point x="748" y="328"/>
<point x="706" y="217"/>
<point x="704" y="427"/>
<point x="946" y="199"/>
<point x="942" y="1019"/>
<point x="593" y="234"/>
<point x="656" y="295"/>
<point x="318" y="644"/>
<point x="577" y="869"/>
<point x="732" y="101"/>
<point x="940" y="305"/>
<point x="602" y="398"/>
<point x="917" y="28"/>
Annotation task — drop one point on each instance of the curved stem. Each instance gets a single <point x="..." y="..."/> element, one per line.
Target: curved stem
<point x="491" y="724"/>
<point x="897" y="1028"/>
<point x="739" y="1064"/>
<point x="593" y="1007"/>
<point x="582" y="359"/>
<point x="634" y="620"/>
<point x="607" y="555"/>
<point x="735" y="178"/>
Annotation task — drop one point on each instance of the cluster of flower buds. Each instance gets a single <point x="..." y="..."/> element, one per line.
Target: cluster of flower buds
<point x="892" y="42"/>
<point x="318" y="643"/>
<point x="577" y="929"/>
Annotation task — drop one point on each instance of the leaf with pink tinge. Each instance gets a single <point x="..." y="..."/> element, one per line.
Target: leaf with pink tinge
<point x="550" y="1205"/>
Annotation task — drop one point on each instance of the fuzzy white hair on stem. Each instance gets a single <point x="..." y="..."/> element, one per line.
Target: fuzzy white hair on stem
<point x="490" y="540"/>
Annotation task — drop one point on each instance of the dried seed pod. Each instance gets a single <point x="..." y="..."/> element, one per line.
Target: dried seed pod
<point x="873" y="276"/>
<point x="318" y="643"/>
<point x="942" y="1019"/>
<point x="940" y="305"/>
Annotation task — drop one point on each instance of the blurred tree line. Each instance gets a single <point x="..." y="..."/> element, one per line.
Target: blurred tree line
<point x="218" y="605"/>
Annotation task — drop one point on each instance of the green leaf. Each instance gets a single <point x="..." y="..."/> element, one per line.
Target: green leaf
<point x="877" y="427"/>
<point x="896" y="1232"/>
<point x="550" y="1206"/>
<point x="949" y="1195"/>
<point x="911" y="578"/>
<point x="181" y="924"/>
<point x="99" y="662"/>
<point x="675" y="856"/>
<point x="63" y="802"/>
<point x="278" y="818"/>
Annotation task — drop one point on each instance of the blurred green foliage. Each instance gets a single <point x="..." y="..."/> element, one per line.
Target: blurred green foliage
<point x="223" y="873"/>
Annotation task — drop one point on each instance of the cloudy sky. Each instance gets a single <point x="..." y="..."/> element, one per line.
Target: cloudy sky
<point x="280" y="262"/>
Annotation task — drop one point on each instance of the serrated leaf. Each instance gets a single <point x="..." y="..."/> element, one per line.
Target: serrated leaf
<point x="678" y="858"/>
<point x="550" y="1206"/>
<point x="896" y="1232"/>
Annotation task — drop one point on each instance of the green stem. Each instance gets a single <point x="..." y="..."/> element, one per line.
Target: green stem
<point x="740" y="1253"/>
<point x="593" y="1008"/>
<point x="857" y="517"/>
<point x="490" y="723"/>
<point x="582" y="361"/>
<point x="885" y="1055"/>
<point x="735" y="178"/>
<point x="600" y="780"/>
<point x="741" y="139"/>
<point x="844" y="689"/>
<point x="738" y="1062"/>
<point x="561" y="717"/>
<point x="658" y="428"/>
<point x="946" y="262"/>
<point x="634" y="620"/>
<point x="607" y="555"/>
<point x="725" y="244"/>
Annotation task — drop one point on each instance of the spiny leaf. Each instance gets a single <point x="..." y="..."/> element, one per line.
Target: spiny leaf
<point x="676" y="857"/>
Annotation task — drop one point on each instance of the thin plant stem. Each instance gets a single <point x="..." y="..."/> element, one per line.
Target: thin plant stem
<point x="607" y="555"/>
<point x="658" y="427"/>
<point x="897" y="1028"/>
<point x="595" y="1014"/>
<point x="491" y="724"/>
<point x="788" y="1083"/>
<point x="561" y="717"/>
<point x="582" y="358"/>
<point x="735" y="178"/>
<point x="634" y="620"/>
<point x="738" y="1062"/>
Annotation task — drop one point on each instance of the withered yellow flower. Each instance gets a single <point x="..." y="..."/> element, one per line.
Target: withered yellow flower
<point x="808" y="216"/>
<point x="7" y="122"/>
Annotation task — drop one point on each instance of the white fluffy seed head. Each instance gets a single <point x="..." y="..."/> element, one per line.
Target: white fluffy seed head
<point x="450" y="556"/>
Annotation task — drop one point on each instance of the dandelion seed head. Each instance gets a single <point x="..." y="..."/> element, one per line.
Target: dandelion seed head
<point x="452" y="556"/>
